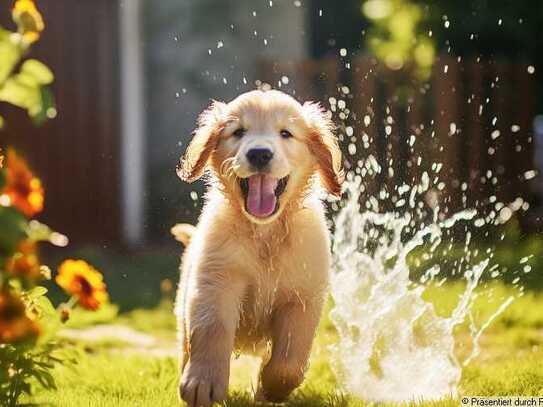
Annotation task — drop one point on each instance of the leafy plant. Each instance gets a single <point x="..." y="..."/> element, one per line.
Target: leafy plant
<point x="26" y="87"/>
<point x="28" y="319"/>
<point x="396" y="36"/>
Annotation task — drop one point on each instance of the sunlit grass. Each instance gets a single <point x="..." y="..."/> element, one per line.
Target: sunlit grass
<point x="106" y="375"/>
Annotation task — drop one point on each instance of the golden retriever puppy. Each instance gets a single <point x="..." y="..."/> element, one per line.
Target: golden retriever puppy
<point x="255" y="272"/>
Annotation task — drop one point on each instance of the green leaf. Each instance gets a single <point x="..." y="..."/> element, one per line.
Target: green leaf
<point x="2" y="178"/>
<point x="22" y="92"/>
<point x="13" y="227"/>
<point x="45" y="378"/>
<point x="38" y="231"/>
<point x="10" y="54"/>
<point x="47" y="108"/>
<point x="39" y="71"/>
<point x="27" y="90"/>
<point x="37" y="292"/>
<point x="45" y="306"/>
<point x="2" y="122"/>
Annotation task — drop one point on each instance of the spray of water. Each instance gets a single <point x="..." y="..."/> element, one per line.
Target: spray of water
<point x="392" y="344"/>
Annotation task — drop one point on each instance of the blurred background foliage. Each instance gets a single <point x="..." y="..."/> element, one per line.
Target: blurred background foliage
<point x="476" y="27"/>
<point x="396" y="35"/>
<point x="410" y="33"/>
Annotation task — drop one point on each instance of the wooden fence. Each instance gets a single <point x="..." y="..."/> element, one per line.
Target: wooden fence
<point x="472" y="116"/>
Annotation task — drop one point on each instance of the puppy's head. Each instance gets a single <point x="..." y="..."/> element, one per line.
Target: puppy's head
<point x="264" y="147"/>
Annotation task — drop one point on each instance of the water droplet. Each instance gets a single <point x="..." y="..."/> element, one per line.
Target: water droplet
<point x="51" y="112"/>
<point x="531" y="69"/>
<point x="343" y="52"/>
<point x="505" y="214"/>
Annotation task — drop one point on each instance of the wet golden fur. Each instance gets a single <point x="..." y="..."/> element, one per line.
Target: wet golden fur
<point x="246" y="281"/>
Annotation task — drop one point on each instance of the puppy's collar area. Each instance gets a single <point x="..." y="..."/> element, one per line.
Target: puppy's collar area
<point x="261" y="194"/>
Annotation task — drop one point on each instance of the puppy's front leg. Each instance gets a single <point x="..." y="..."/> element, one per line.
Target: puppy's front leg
<point x="293" y="330"/>
<point x="211" y="315"/>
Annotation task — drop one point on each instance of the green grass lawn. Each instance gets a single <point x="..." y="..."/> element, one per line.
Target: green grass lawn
<point x="113" y="373"/>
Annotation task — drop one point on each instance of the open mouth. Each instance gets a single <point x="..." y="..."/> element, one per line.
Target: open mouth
<point x="261" y="193"/>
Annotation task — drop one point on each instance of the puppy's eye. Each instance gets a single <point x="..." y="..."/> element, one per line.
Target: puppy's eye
<point x="285" y="133"/>
<point x="239" y="132"/>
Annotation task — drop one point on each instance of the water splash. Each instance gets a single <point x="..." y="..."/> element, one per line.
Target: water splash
<point x="392" y="345"/>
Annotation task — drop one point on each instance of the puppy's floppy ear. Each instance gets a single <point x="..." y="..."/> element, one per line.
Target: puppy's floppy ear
<point x="323" y="145"/>
<point x="210" y="123"/>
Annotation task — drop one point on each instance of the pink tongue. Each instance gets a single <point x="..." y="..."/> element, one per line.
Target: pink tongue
<point x="261" y="199"/>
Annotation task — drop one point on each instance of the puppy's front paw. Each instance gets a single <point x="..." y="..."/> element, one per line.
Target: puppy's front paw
<point x="277" y="381"/>
<point x="203" y="384"/>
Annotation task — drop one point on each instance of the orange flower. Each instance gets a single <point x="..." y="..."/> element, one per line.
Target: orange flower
<point x="79" y="278"/>
<point x="28" y="19"/>
<point x="25" y="262"/>
<point x="15" y="324"/>
<point x="23" y="190"/>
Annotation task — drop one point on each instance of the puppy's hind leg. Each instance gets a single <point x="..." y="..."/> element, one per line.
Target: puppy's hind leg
<point x="293" y="330"/>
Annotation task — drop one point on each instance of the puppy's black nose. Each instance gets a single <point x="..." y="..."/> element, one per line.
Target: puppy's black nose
<point x="259" y="157"/>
